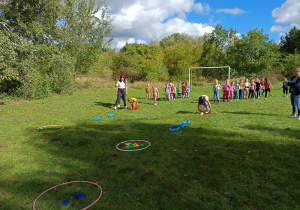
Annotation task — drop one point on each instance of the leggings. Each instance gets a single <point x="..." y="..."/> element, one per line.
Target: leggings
<point x="155" y="98"/>
<point x="226" y="93"/>
<point x="121" y="93"/>
<point x="266" y="92"/>
<point x="251" y="94"/>
<point x="285" y="91"/>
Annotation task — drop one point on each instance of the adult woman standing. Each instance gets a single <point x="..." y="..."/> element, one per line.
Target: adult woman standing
<point x="121" y="91"/>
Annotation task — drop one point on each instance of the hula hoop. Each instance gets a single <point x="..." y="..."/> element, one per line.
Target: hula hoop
<point x="35" y="130"/>
<point x="33" y="206"/>
<point x="2" y="147"/>
<point x="132" y="150"/>
<point x="205" y="112"/>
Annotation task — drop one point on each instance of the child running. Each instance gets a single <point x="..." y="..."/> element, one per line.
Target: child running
<point x="257" y="83"/>
<point x="226" y="90"/>
<point x="236" y="90"/>
<point x="262" y="87"/>
<point x="148" y="91"/>
<point x="267" y="85"/>
<point x="204" y="102"/>
<point x="285" y="88"/>
<point x="217" y="87"/>
<point x="155" y="94"/>
<point x="232" y="88"/>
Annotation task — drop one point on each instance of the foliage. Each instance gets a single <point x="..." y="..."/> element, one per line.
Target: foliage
<point x="289" y="64"/>
<point x="291" y="41"/>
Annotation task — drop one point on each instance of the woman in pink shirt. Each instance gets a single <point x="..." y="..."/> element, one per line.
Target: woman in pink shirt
<point x="267" y="85"/>
<point x="226" y="90"/>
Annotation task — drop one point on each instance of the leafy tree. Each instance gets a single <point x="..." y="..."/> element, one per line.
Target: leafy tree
<point x="291" y="41"/>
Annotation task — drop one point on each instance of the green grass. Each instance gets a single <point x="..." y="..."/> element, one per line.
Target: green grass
<point x="244" y="155"/>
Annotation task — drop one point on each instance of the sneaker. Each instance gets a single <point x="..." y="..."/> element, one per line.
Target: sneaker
<point x="125" y="107"/>
<point x="270" y="94"/>
<point x="118" y="105"/>
<point x="155" y="104"/>
<point x="292" y="115"/>
<point x="298" y="117"/>
<point x="219" y="103"/>
<point x="265" y="98"/>
<point x="115" y="108"/>
<point x="201" y="113"/>
<point x="283" y="95"/>
<point x="287" y="96"/>
<point x="215" y="103"/>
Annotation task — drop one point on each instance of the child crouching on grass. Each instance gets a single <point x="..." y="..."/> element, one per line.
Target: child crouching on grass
<point x="204" y="102"/>
<point x="133" y="103"/>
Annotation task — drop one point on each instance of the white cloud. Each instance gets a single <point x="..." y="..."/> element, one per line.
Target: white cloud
<point x="235" y="11"/>
<point x="154" y="19"/>
<point x="288" y="15"/>
<point x="202" y="8"/>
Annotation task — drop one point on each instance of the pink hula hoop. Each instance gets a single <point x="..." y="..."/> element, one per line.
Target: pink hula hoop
<point x="2" y="147"/>
<point x="50" y="126"/>
<point x="33" y="206"/>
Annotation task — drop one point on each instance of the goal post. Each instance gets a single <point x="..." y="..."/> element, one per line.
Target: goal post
<point x="213" y="67"/>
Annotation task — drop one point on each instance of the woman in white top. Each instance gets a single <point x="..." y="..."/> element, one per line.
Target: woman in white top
<point x="121" y="91"/>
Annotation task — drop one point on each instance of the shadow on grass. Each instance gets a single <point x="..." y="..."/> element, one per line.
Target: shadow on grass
<point x="194" y="167"/>
<point x="109" y="105"/>
<point x="187" y="112"/>
<point x="247" y="113"/>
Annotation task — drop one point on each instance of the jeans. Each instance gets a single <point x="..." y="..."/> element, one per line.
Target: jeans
<point x="216" y="96"/>
<point x="258" y="93"/>
<point x="187" y="94"/>
<point x="121" y="93"/>
<point x="236" y="94"/>
<point x="251" y="94"/>
<point x="263" y="90"/>
<point x="297" y="103"/>
<point x="241" y="94"/>
<point x="226" y="93"/>
<point x="294" y="104"/>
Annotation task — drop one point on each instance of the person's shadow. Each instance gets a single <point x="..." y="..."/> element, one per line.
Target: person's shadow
<point x="99" y="103"/>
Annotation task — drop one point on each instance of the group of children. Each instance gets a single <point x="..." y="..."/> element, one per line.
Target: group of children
<point x="242" y="90"/>
<point x="182" y="91"/>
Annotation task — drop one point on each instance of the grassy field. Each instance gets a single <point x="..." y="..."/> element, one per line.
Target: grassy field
<point x="244" y="155"/>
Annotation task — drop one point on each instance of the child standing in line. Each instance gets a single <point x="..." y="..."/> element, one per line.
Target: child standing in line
<point x="179" y="91"/>
<point x="183" y="90"/>
<point x="262" y="87"/>
<point x="172" y="91"/>
<point x="247" y="87"/>
<point x="148" y="91"/>
<point x="232" y="88"/>
<point x="226" y="90"/>
<point x="187" y="90"/>
<point x="204" y="102"/>
<point x="241" y="90"/>
<point x="267" y="85"/>
<point x="155" y="94"/>
<point x="252" y="89"/>
<point x="257" y="83"/>
<point x="216" y="88"/>
<point x="167" y="92"/>
<point x="285" y="88"/>
<point x="236" y="90"/>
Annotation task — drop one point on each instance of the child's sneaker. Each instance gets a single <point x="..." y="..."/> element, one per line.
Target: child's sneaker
<point x="154" y="104"/>
<point x="298" y="117"/>
<point x="125" y="107"/>
<point x="283" y="95"/>
<point x="115" y="108"/>
<point x="201" y="113"/>
<point x="292" y="115"/>
<point x="219" y="103"/>
<point x="215" y="103"/>
<point x="119" y="105"/>
<point x="265" y="98"/>
<point x="287" y="96"/>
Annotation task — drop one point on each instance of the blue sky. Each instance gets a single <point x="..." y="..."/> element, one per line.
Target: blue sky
<point x="143" y="20"/>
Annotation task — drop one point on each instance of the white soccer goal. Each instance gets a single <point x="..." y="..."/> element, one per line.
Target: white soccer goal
<point x="214" y="67"/>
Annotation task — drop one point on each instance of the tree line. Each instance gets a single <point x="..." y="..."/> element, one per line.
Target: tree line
<point x="45" y="44"/>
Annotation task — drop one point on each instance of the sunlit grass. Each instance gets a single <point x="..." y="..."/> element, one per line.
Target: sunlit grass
<point x="243" y="155"/>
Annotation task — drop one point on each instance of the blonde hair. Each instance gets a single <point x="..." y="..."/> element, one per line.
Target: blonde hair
<point x="298" y="69"/>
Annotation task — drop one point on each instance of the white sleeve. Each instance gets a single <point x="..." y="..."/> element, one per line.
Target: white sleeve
<point x="117" y="85"/>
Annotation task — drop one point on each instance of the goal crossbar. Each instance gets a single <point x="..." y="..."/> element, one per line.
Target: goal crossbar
<point x="213" y="67"/>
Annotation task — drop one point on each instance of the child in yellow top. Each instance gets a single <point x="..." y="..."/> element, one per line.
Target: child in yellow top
<point x="133" y="103"/>
<point x="241" y="90"/>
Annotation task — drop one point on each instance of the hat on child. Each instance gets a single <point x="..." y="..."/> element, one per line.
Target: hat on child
<point x="171" y="84"/>
<point x="122" y="75"/>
